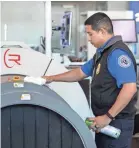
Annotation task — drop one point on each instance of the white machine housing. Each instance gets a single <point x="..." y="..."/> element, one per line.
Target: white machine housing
<point x="33" y="63"/>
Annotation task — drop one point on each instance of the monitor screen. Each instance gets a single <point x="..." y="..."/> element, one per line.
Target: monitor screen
<point x="66" y="29"/>
<point x="125" y="28"/>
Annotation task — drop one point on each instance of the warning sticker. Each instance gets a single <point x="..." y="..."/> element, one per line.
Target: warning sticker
<point x="26" y="97"/>
<point x="18" y="85"/>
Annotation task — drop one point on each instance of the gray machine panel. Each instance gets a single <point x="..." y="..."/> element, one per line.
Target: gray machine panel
<point x="45" y="97"/>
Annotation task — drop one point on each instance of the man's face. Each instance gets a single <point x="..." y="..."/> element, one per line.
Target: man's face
<point x="94" y="37"/>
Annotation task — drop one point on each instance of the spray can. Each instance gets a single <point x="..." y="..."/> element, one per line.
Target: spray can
<point x="107" y="130"/>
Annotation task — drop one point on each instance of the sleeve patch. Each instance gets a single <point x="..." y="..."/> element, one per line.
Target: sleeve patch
<point x="124" y="61"/>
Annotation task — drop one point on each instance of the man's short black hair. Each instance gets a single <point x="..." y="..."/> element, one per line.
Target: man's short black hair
<point x="100" y="20"/>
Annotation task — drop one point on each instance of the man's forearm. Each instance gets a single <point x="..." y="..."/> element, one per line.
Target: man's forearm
<point x="70" y="76"/>
<point x="123" y="98"/>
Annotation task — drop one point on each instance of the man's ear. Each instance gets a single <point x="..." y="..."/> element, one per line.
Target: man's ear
<point x="103" y="31"/>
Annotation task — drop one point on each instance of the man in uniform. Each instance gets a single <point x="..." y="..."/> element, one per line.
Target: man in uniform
<point x="113" y="87"/>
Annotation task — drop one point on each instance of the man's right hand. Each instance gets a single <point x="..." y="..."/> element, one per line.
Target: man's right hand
<point x="48" y="79"/>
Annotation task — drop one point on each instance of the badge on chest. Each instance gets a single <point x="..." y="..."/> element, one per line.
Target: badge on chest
<point x="98" y="69"/>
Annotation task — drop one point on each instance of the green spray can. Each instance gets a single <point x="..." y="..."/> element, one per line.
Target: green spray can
<point x="107" y="130"/>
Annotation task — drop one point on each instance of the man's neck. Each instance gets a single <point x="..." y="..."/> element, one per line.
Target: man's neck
<point x="106" y="39"/>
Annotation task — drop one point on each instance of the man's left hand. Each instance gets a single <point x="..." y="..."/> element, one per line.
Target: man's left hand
<point x="101" y="121"/>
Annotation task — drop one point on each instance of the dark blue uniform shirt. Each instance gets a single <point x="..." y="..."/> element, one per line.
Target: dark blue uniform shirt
<point x="119" y="64"/>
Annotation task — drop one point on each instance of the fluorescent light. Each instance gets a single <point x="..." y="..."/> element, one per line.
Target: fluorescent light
<point x="137" y="19"/>
<point x="137" y="14"/>
<point x="68" y="6"/>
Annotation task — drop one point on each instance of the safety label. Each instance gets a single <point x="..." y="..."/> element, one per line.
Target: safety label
<point x="26" y="97"/>
<point x="18" y="85"/>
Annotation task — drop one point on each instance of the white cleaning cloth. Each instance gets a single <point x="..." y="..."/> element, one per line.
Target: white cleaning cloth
<point x="35" y="80"/>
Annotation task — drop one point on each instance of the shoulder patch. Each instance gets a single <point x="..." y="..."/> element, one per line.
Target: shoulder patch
<point x="124" y="61"/>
